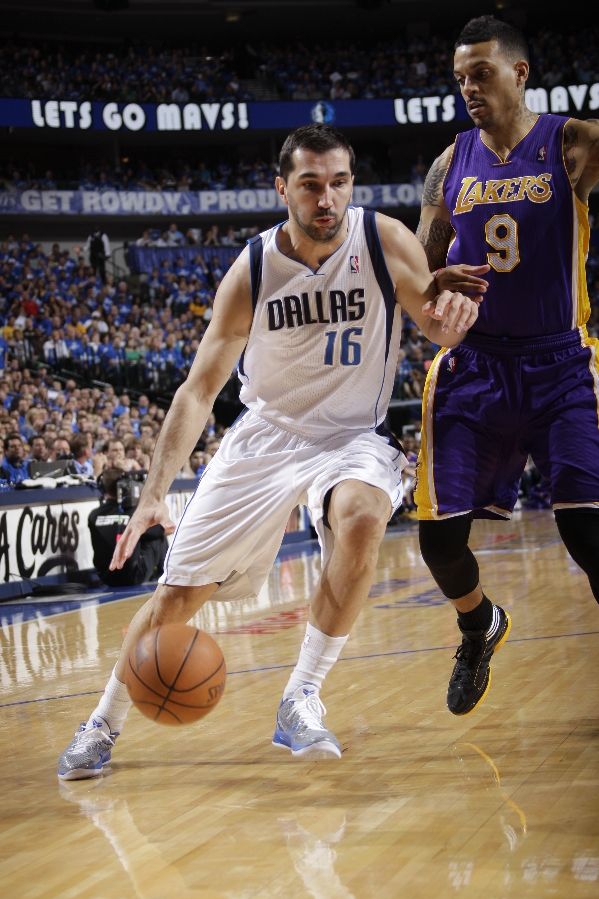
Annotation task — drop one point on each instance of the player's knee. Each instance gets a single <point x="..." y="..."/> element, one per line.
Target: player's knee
<point x="444" y="548"/>
<point x="360" y="532"/>
<point x="442" y="541"/>
<point x="579" y="530"/>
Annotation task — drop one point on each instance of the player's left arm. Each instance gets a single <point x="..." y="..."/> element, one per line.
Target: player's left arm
<point x="581" y="155"/>
<point x="442" y="317"/>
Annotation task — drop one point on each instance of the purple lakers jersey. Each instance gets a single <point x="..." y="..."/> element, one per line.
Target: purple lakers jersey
<point x="522" y="217"/>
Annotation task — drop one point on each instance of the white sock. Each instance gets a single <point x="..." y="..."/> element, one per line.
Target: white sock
<point x="317" y="656"/>
<point x="114" y="705"/>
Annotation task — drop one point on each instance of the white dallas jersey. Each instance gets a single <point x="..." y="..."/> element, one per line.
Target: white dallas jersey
<point x="322" y="351"/>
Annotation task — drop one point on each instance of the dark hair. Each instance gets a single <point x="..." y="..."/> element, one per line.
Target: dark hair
<point x="13" y="435"/>
<point x="319" y="139"/>
<point x="488" y="28"/>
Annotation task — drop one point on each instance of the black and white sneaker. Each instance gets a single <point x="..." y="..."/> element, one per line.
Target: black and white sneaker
<point x="471" y="677"/>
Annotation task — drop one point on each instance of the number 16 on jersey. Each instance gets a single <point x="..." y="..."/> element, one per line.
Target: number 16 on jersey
<point x="350" y="350"/>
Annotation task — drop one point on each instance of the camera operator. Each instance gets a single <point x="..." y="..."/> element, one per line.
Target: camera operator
<point x="120" y="494"/>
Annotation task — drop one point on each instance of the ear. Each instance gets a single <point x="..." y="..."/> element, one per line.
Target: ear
<point x="281" y="188"/>
<point x="522" y="69"/>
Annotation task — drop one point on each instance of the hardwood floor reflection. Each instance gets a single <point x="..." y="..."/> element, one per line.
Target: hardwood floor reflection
<point x="500" y="803"/>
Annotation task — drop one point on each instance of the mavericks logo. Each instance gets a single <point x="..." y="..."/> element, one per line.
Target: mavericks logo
<point x="323" y="113"/>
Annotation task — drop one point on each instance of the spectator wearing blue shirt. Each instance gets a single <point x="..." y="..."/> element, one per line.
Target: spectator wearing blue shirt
<point x="123" y="406"/>
<point x="14" y="469"/>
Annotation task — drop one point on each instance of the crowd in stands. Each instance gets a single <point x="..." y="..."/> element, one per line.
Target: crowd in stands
<point x="145" y="336"/>
<point x="211" y="236"/>
<point x="142" y="73"/>
<point x="415" y="66"/>
<point x="402" y="65"/>
<point x="46" y="419"/>
<point x="173" y="173"/>
<point x="170" y="173"/>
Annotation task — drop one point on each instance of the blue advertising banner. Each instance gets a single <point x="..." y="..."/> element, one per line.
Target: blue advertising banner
<point x="85" y="115"/>
<point x="172" y="117"/>
<point x="182" y="203"/>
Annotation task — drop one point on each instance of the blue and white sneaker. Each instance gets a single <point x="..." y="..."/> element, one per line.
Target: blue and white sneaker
<point x="88" y="753"/>
<point x="299" y="726"/>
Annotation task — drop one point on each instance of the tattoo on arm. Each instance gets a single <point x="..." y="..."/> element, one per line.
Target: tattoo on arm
<point x="435" y="239"/>
<point x="570" y="144"/>
<point x="432" y="192"/>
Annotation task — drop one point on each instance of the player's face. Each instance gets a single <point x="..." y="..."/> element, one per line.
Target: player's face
<point x="318" y="191"/>
<point x="490" y="83"/>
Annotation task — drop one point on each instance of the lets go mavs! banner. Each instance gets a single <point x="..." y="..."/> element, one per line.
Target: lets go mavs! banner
<point x="85" y="115"/>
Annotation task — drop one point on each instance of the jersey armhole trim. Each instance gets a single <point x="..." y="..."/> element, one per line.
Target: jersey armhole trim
<point x="256" y="253"/>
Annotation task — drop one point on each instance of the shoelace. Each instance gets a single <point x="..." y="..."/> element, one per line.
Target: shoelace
<point x="92" y="735"/>
<point x="309" y="711"/>
<point x="466" y="655"/>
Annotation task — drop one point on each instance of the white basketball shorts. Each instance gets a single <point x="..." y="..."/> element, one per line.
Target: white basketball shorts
<point x="233" y="525"/>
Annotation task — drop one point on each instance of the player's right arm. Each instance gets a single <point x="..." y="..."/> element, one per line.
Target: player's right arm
<point x="434" y="229"/>
<point x="217" y="356"/>
<point x="435" y="232"/>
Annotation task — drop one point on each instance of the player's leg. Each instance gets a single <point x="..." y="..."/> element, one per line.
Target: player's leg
<point x="357" y="516"/>
<point x="469" y="464"/>
<point x="484" y="625"/>
<point x="90" y="750"/>
<point x="579" y="529"/>
<point x="350" y="517"/>
<point x="233" y="524"/>
<point x="570" y="391"/>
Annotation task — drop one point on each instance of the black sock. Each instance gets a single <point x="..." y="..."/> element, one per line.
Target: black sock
<point x="479" y="619"/>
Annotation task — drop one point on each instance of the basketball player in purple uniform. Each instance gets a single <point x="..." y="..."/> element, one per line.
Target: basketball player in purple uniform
<point x="509" y="198"/>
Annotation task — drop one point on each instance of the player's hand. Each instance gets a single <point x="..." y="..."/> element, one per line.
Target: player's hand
<point x="145" y="516"/>
<point x="453" y="311"/>
<point x="464" y="279"/>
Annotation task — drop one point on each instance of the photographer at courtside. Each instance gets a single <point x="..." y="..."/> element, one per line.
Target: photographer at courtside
<point x="120" y="493"/>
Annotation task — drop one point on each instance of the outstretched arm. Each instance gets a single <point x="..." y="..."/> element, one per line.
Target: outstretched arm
<point x="443" y="317"/>
<point x="218" y="353"/>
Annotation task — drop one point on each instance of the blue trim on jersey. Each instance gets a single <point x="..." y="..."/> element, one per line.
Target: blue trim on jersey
<point x="383" y="431"/>
<point x="256" y="254"/>
<point x="256" y="248"/>
<point x="381" y="272"/>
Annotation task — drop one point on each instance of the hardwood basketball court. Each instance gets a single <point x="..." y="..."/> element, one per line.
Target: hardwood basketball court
<point x="500" y="803"/>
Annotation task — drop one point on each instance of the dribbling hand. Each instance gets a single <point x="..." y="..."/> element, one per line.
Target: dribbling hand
<point x="145" y="516"/>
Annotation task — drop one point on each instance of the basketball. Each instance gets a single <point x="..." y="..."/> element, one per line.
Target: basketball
<point x="176" y="674"/>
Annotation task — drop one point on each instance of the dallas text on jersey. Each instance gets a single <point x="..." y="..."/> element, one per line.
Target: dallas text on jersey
<point x="316" y="308"/>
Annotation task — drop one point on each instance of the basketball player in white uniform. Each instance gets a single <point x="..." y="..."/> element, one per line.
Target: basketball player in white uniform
<point x="310" y="312"/>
